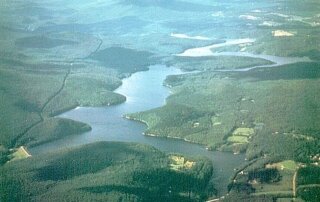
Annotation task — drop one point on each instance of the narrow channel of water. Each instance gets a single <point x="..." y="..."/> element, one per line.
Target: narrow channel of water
<point x="206" y="51"/>
<point x="144" y="90"/>
<point x="277" y="61"/>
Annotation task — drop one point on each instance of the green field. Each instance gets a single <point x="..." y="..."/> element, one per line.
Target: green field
<point x="20" y="153"/>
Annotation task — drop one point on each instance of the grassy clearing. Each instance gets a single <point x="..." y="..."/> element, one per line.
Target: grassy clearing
<point x="238" y="139"/>
<point x="180" y="163"/>
<point x="285" y="165"/>
<point x="264" y="179"/>
<point x="284" y="184"/>
<point x="20" y="153"/>
<point x="276" y="194"/>
<point x="247" y="132"/>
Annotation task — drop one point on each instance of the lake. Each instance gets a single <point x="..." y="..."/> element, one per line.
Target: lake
<point x="144" y="90"/>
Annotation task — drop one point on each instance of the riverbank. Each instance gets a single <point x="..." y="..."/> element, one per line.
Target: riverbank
<point x="55" y="58"/>
<point x="130" y="170"/>
<point x="144" y="90"/>
<point x="110" y="121"/>
<point x="159" y="136"/>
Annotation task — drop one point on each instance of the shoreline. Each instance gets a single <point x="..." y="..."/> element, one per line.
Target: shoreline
<point x="208" y="148"/>
<point x="202" y="149"/>
<point x="126" y="116"/>
<point x="207" y="50"/>
<point x="276" y="61"/>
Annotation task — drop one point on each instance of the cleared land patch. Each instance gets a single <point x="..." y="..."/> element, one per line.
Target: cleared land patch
<point x="179" y="163"/>
<point x="20" y="153"/>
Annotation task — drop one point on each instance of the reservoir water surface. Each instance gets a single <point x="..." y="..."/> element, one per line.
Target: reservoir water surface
<point x="144" y="90"/>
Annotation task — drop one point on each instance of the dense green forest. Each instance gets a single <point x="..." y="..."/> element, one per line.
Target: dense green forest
<point x="30" y="97"/>
<point x="108" y="171"/>
<point x="208" y="107"/>
<point x="34" y="92"/>
<point x="274" y="109"/>
<point x="58" y="55"/>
